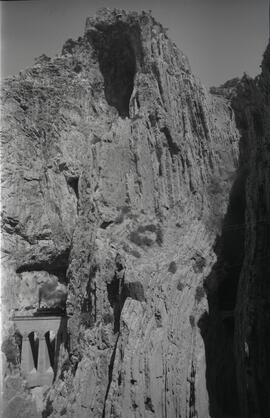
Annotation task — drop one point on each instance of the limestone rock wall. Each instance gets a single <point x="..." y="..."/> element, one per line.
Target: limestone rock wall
<point x="236" y="331"/>
<point x="252" y="313"/>
<point x="117" y="173"/>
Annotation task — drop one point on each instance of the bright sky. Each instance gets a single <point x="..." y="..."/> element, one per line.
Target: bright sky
<point x="222" y="38"/>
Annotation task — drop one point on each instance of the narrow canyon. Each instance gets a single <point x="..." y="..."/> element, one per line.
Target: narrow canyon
<point x="135" y="232"/>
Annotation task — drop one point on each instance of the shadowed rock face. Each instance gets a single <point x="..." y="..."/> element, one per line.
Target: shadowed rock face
<point x="252" y="340"/>
<point x="117" y="63"/>
<point x="119" y="170"/>
<point x="236" y="332"/>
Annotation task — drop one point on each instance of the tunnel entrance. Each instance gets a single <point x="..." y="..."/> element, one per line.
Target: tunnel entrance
<point x="117" y="63"/>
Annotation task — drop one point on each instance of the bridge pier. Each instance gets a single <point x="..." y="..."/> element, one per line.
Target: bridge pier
<point x="43" y="372"/>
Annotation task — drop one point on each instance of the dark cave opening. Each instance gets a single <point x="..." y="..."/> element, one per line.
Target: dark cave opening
<point x="117" y="63"/>
<point x="73" y="182"/>
<point x="51" y="300"/>
<point x="56" y="265"/>
<point x="218" y="328"/>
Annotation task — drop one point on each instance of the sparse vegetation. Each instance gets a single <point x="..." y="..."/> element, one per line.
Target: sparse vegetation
<point x="87" y="319"/>
<point x="96" y="140"/>
<point x="159" y="239"/>
<point x="135" y="253"/>
<point x="107" y="318"/>
<point x="172" y="267"/>
<point x="69" y="46"/>
<point x="199" y="293"/>
<point x="192" y="321"/>
<point x="131" y="251"/>
<point x="124" y="210"/>
<point x="150" y="227"/>
<point x="43" y="58"/>
<point x="10" y="346"/>
<point x="140" y="240"/>
<point x="77" y="68"/>
<point x="199" y="264"/>
<point x="180" y="285"/>
<point x="149" y="405"/>
<point x="215" y="186"/>
<point x="158" y="318"/>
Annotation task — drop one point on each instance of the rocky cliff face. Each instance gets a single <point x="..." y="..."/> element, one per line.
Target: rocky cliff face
<point x="119" y="171"/>
<point x="238" y="377"/>
<point x="252" y="338"/>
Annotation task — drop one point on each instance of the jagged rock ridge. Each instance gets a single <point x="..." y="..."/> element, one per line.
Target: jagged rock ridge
<point x="118" y="173"/>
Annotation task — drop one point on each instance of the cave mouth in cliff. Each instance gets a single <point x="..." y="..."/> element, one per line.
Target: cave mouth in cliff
<point x="56" y="266"/>
<point x="117" y="63"/>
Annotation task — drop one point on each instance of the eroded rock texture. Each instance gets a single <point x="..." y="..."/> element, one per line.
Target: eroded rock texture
<point x="119" y="169"/>
<point x="238" y="285"/>
<point x="252" y="308"/>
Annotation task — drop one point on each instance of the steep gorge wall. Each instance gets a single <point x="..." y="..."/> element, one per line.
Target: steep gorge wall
<point x="252" y="340"/>
<point x="118" y="171"/>
<point x="238" y="377"/>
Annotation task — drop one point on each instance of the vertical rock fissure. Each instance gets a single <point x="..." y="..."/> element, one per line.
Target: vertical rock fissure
<point x="192" y="411"/>
<point x="116" y="297"/>
<point x="116" y="292"/>
<point x="117" y="62"/>
<point x="110" y="375"/>
<point x="88" y="309"/>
